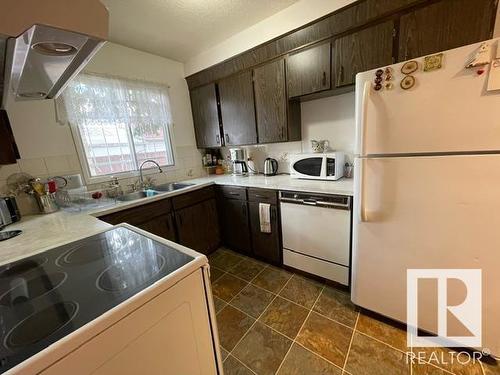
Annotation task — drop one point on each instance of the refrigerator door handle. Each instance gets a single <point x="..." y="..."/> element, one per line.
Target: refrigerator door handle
<point x="364" y="115"/>
<point x="362" y="210"/>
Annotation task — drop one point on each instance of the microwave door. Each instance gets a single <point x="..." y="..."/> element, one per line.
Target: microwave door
<point x="309" y="167"/>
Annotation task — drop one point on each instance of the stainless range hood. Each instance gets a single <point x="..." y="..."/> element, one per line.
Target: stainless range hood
<point x="40" y="62"/>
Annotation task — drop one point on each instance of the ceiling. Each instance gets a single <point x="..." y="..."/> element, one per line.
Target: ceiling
<point x="180" y="29"/>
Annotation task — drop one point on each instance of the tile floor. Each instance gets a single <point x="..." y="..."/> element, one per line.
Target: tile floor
<point x="272" y="321"/>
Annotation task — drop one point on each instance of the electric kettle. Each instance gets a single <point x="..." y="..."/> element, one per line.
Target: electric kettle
<point x="270" y="167"/>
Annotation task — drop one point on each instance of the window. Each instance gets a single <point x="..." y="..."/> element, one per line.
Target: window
<point x="118" y="123"/>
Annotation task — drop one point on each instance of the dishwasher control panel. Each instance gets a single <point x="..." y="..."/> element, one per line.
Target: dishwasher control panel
<point x="320" y="200"/>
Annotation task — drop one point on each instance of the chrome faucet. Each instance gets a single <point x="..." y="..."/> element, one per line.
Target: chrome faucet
<point x="141" y="177"/>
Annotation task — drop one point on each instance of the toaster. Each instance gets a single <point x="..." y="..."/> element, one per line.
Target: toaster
<point x="9" y="211"/>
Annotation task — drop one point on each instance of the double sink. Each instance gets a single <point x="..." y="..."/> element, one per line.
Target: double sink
<point x="165" y="188"/>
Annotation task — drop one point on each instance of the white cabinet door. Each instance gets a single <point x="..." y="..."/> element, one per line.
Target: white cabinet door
<point x="170" y="335"/>
<point x="426" y="212"/>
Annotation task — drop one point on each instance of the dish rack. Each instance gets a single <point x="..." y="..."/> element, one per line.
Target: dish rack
<point x="82" y="199"/>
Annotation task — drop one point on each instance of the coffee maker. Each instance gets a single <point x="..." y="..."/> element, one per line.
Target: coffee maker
<point x="238" y="160"/>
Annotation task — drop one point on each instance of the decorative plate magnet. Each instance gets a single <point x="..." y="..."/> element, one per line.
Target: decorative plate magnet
<point x="409" y="67"/>
<point x="433" y="62"/>
<point x="407" y="82"/>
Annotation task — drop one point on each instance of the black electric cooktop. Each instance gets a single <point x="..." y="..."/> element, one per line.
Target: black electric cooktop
<point x="46" y="297"/>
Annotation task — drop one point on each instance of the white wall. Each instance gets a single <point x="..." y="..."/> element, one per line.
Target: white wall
<point x="331" y="119"/>
<point x="296" y="15"/>
<point x="47" y="148"/>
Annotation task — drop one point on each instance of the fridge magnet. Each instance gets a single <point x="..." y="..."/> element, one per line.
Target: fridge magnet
<point x="378" y="87"/>
<point x="409" y="67"/>
<point x="389" y="86"/>
<point x="433" y="62"/>
<point x="378" y="80"/>
<point x="407" y="82"/>
<point x="388" y="70"/>
<point x="388" y="77"/>
<point x="480" y="57"/>
<point x="379" y="73"/>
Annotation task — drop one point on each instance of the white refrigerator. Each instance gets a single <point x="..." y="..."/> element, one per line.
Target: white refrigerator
<point x="427" y="186"/>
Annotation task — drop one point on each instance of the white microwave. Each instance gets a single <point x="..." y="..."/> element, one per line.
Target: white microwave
<point x="328" y="166"/>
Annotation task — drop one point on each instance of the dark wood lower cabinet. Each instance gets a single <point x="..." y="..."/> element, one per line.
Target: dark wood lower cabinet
<point x="190" y="219"/>
<point x="162" y="226"/>
<point x="198" y="227"/>
<point x="235" y="225"/>
<point x="240" y="222"/>
<point x="156" y="218"/>
<point x="266" y="246"/>
<point x="202" y="219"/>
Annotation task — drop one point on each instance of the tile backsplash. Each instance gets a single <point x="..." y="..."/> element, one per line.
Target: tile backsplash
<point x="187" y="165"/>
<point x="279" y="151"/>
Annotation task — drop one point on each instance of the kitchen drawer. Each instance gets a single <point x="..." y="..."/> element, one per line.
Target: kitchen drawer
<point x="141" y="214"/>
<point x="263" y="195"/>
<point x="191" y="198"/>
<point x="233" y="192"/>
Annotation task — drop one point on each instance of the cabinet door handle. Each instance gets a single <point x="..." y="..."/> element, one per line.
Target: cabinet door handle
<point x="227" y="138"/>
<point x="273" y="213"/>
<point x="341" y="78"/>
<point x="324" y="78"/>
<point x="217" y="139"/>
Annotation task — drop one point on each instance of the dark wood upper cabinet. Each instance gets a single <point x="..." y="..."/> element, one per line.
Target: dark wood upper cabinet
<point x="205" y="116"/>
<point x="8" y="148"/>
<point x="238" y="110"/>
<point x="308" y="71"/>
<point x="322" y="59"/>
<point x="445" y="25"/>
<point x="271" y="102"/>
<point x="364" y="50"/>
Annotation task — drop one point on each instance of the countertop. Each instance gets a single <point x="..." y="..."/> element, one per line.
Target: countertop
<point x="282" y="182"/>
<point x="43" y="232"/>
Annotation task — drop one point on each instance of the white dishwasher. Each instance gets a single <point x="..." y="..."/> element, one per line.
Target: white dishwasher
<point x="316" y="232"/>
